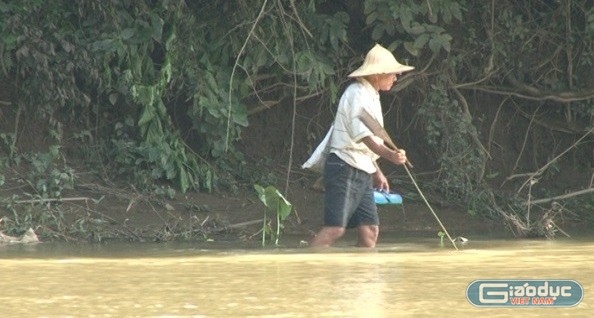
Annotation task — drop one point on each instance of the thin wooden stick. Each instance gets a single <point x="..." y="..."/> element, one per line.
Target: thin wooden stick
<point x="379" y="131"/>
<point x="429" y="206"/>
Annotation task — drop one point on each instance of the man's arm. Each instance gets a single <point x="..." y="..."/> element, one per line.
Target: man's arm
<point x="381" y="150"/>
<point x="379" y="179"/>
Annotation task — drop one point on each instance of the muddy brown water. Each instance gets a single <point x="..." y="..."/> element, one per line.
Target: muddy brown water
<point x="403" y="277"/>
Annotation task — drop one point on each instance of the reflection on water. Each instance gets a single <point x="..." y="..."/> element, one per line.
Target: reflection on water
<point x="399" y="279"/>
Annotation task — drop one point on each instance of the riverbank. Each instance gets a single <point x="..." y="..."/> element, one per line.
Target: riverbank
<point x="99" y="213"/>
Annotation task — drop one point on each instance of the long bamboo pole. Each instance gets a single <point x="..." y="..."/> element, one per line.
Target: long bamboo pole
<point x="377" y="129"/>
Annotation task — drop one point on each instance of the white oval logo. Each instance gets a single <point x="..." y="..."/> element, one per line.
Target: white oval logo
<point x="524" y="293"/>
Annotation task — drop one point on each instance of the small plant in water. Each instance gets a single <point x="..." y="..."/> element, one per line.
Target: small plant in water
<point x="273" y="200"/>
<point x="441" y="235"/>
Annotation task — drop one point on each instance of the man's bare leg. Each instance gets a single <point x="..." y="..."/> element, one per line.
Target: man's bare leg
<point x="327" y="236"/>
<point x="368" y="235"/>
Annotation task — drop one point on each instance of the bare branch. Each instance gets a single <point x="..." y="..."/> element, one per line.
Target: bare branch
<point x="233" y="71"/>
<point x="546" y="166"/>
<point x="301" y="24"/>
<point x="473" y="133"/>
<point x="525" y="138"/>
<point x="562" y="97"/>
<point x="560" y="197"/>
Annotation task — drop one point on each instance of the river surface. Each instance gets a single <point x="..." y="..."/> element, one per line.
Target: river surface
<point x="412" y="277"/>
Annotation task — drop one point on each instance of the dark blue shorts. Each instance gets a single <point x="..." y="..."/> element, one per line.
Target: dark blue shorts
<point x="349" y="195"/>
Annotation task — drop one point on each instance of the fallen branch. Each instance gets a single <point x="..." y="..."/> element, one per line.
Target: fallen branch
<point x="52" y="200"/>
<point x="560" y="197"/>
<point x="236" y="225"/>
<point x="242" y="224"/>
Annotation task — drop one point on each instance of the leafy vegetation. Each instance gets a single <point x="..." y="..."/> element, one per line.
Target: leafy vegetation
<point x="275" y="202"/>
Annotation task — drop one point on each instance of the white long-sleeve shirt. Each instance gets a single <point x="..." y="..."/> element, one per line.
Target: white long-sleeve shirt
<point x="349" y="130"/>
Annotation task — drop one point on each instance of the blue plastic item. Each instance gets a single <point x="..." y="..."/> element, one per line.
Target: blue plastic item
<point x="383" y="197"/>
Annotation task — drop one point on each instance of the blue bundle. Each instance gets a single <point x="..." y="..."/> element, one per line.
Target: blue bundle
<point x="383" y="197"/>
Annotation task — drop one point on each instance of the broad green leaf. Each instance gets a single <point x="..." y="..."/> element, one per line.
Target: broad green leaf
<point x="390" y="30"/>
<point x="184" y="184"/>
<point x="456" y="11"/>
<point x="273" y="199"/>
<point x="342" y="17"/>
<point x="128" y="33"/>
<point x="261" y="193"/>
<point x="113" y="98"/>
<point x="410" y="47"/>
<point x="406" y="17"/>
<point x="421" y="41"/>
<point x="240" y="116"/>
<point x="377" y="32"/>
<point x="371" y="18"/>
<point x="433" y="18"/>
<point x="157" y="26"/>
<point x="284" y="207"/>
<point x="435" y="44"/>
<point x="417" y="29"/>
<point x="393" y="46"/>
<point x="54" y="151"/>
<point x="148" y="114"/>
<point x="446" y="38"/>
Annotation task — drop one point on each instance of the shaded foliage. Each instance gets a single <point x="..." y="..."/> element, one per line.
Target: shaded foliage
<point x="157" y="91"/>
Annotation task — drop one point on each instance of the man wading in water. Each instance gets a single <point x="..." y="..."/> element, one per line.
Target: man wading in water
<point x="350" y="170"/>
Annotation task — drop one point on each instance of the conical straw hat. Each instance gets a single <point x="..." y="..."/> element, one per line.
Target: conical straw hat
<point x="380" y="61"/>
